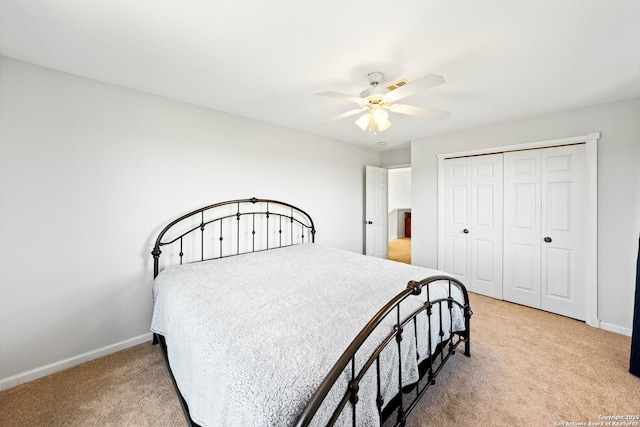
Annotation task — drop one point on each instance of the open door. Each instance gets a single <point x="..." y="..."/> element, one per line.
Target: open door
<point x="376" y="239"/>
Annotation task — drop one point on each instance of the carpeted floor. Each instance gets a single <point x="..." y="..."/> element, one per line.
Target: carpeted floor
<point x="533" y="368"/>
<point x="527" y="368"/>
<point x="128" y="388"/>
<point x="400" y="250"/>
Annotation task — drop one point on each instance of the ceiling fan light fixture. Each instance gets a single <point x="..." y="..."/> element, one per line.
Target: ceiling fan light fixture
<point x="363" y="121"/>
<point x="374" y="121"/>
<point x="379" y="115"/>
<point x="383" y="125"/>
<point x="381" y="118"/>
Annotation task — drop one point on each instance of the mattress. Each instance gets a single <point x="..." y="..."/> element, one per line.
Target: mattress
<point x="250" y="338"/>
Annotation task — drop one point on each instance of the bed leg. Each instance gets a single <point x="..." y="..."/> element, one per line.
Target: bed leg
<point x="155" y="340"/>
<point x="467" y="345"/>
<point x="467" y="320"/>
<point x="402" y="419"/>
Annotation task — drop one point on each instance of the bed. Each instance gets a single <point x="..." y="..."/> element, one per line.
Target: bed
<point x="292" y="332"/>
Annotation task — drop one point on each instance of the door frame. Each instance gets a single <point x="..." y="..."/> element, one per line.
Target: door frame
<point x="591" y="141"/>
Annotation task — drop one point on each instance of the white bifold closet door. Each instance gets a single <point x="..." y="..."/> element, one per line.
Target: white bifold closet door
<point x="545" y="229"/>
<point x="473" y="222"/>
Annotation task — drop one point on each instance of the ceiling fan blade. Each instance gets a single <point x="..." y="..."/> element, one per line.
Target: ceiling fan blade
<point x="423" y="83"/>
<point x="343" y="115"/>
<point x="342" y="96"/>
<point x="412" y="110"/>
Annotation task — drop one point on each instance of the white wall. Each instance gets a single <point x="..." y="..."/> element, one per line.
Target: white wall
<point x="618" y="191"/>
<point x="399" y="188"/>
<point x="89" y="174"/>
<point x="397" y="158"/>
<point x="399" y="199"/>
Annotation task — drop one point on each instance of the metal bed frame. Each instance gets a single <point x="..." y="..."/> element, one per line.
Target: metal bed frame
<point x="288" y="225"/>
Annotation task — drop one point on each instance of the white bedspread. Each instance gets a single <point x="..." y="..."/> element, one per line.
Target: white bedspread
<point x="251" y="337"/>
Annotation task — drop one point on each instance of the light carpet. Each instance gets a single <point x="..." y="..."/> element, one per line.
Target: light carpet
<point x="400" y="250"/>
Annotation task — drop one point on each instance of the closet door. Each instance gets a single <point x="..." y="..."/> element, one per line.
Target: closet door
<point x="522" y="227"/>
<point x="486" y="225"/>
<point x="473" y="222"/>
<point x="457" y="213"/>
<point x="564" y="231"/>
<point x="544" y="229"/>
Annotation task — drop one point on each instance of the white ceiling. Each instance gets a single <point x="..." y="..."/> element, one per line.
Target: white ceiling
<point x="502" y="59"/>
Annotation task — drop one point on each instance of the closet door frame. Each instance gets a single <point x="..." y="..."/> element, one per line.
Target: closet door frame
<point x="591" y="142"/>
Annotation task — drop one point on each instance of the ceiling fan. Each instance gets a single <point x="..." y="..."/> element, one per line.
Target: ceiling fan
<point x="379" y="98"/>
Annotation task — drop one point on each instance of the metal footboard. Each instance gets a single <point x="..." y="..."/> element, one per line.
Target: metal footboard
<point x="430" y="369"/>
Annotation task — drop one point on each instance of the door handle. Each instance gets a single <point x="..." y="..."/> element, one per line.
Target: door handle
<point x="547" y="239"/>
<point x="368" y="222"/>
<point x="465" y="231"/>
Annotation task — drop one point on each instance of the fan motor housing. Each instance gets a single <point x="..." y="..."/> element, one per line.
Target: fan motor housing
<point x="375" y="78"/>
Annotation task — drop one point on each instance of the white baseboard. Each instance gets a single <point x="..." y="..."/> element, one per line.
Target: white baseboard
<point x="615" y="328"/>
<point x="43" y="371"/>
<point x="593" y="321"/>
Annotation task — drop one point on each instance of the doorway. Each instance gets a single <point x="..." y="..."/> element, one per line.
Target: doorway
<point x="399" y="219"/>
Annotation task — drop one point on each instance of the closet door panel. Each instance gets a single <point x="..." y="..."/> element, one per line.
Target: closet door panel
<point x="526" y="206"/>
<point x="563" y="230"/>
<point x="558" y="273"/>
<point x="484" y="260"/>
<point x="524" y="269"/>
<point x="486" y="225"/>
<point x="457" y="202"/>
<point x="473" y="222"/>
<point x="522" y="203"/>
<point x="459" y="258"/>
<point x="459" y="205"/>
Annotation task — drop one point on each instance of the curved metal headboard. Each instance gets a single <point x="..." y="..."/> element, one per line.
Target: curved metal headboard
<point x="266" y="212"/>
